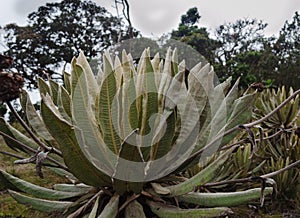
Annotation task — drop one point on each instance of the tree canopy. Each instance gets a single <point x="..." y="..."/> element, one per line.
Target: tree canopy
<point x="188" y="32"/>
<point x="56" y="32"/>
<point x="287" y="50"/>
<point x="241" y="49"/>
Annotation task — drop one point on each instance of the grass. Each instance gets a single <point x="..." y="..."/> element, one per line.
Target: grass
<point x="8" y="206"/>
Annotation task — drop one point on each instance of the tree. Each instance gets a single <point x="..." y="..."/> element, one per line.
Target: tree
<point x="287" y="50"/>
<point x="251" y="66"/>
<point x="198" y="38"/>
<point x="245" y="52"/>
<point x="126" y="14"/>
<point x="56" y="32"/>
<point x="242" y="51"/>
<point x="191" y="17"/>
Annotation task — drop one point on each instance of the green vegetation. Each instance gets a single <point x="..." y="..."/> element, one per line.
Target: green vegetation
<point x="266" y="149"/>
<point x="55" y="34"/>
<point x="148" y="136"/>
<point x="240" y="49"/>
<point x="95" y="132"/>
<point x="8" y="206"/>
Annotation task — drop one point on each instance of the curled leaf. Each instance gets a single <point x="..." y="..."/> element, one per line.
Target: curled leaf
<point x="40" y="158"/>
<point x="26" y="160"/>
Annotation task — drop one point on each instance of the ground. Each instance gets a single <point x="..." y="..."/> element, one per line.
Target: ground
<point x="8" y="206"/>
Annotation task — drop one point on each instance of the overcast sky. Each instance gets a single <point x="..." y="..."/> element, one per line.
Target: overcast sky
<point x="155" y="17"/>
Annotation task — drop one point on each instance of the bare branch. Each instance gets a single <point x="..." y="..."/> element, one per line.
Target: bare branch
<point x="125" y="13"/>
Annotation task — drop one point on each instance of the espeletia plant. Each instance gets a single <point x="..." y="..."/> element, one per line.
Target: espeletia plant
<point x="126" y="137"/>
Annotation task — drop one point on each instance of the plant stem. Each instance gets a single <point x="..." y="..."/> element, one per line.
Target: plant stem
<point x="250" y="179"/>
<point x="83" y="208"/>
<point x="234" y="144"/>
<point x="18" y="142"/>
<point x="281" y="170"/>
<point x="130" y="199"/>
<point x="256" y="140"/>
<point x="33" y="150"/>
<point x="28" y="130"/>
<point x="11" y="154"/>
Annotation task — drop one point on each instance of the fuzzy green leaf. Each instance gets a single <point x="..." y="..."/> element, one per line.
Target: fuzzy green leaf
<point x="165" y="211"/>
<point x="134" y="210"/>
<point x="104" y="114"/>
<point x="111" y="209"/>
<point x="54" y="90"/>
<point x="41" y="204"/>
<point x="90" y="77"/>
<point x="44" y="87"/>
<point x="67" y="81"/>
<point x="92" y="145"/>
<point x="64" y="134"/>
<point x="34" y="118"/>
<point x="16" y="134"/>
<point x="224" y="199"/>
<point x="93" y="213"/>
<point x="204" y="176"/>
<point x="37" y="191"/>
<point x="129" y="166"/>
<point x="82" y="188"/>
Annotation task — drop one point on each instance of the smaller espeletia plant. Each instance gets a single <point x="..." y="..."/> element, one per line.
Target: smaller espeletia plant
<point x="282" y="144"/>
<point x="270" y="149"/>
<point x="127" y="138"/>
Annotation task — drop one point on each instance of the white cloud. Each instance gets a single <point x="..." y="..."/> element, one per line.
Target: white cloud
<point x="158" y="16"/>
